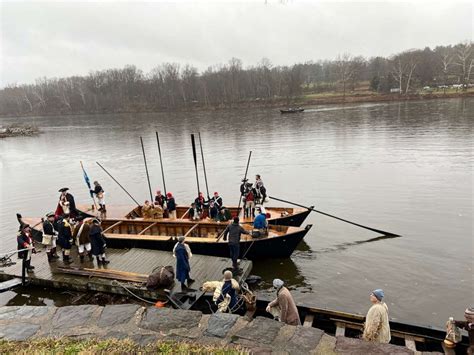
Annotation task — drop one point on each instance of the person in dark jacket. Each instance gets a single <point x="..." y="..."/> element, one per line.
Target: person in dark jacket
<point x="65" y="230"/>
<point x="234" y="230"/>
<point x="49" y="230"/>
<point x="202" y="205"/>
<point x="223" y="215"/>
<point x="66" y="200"/>
<point x="229" y="289"/>
<point x="171" y="203"/>
<point x="25" y="241"/>
<point x="97" y="242"/>
<point x="182" y="254"/>
<point x="99" y="193"/>
<point x="160" y="199"/>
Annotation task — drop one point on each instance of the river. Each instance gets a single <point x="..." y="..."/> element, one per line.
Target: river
<point x="404" y="167"/>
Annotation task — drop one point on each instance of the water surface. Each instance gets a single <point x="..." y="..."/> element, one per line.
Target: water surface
<point x="402" y="167"/>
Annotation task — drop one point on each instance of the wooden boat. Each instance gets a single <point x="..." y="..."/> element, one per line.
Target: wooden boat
<point x="204" y="237"/>
<point x="292" y="110"/>
<point x="278" y="215"/>
<point x="414" y="337"/>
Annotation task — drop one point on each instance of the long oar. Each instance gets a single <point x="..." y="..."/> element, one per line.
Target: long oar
<point x="195" y="161"/>
<point x="146" y="169"/>
<point x="161" y="162"/>
<point x="123" y="188"/>
<point x="203" y="165"/>
<point x="245" y="178"/>
<point x="341" y="219"/>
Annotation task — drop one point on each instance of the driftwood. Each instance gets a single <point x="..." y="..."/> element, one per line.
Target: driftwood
<point x="14" y="131"/>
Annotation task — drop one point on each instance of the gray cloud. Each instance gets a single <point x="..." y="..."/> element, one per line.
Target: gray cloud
<point x="71" y="38"/>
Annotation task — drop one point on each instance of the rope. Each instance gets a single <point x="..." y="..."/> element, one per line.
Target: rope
<point x="117" y="283"/>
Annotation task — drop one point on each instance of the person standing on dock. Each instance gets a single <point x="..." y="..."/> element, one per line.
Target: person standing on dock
<point x="50" y="237"/>
<point x="171" y="203"/>
<point x="283" y="307"/>
<point x="65" y="237"/>
<point x="234" y="230"/>
<point x="83" y="242"/>
<point x="182" y="253"/>
<point x="99" y="193"/>
<point x="376" y="327"/>
<point x="97" y="242"/>
<point x="25" y="246"/>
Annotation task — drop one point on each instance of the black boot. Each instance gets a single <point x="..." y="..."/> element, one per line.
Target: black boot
<point x="81" y="256"/>
<point x="105" y="261"/>
<point x="190" y="281"/>
<point x="66" y="259"/>
<point x="54" y="254"/>
<point x="99" y="261"/>
<point x="183" y="287"/>
<point x="50" y="256"/>
<point x="91" y="258"/>
<point x="28" y="266"/>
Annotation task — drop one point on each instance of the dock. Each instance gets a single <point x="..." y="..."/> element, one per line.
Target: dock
<point x="135" y="261"/>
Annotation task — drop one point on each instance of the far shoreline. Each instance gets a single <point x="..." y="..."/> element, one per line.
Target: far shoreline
<point x="306" y="101"/>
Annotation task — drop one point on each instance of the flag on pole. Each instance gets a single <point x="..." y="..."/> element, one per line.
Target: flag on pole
<point x="87" y="180"/>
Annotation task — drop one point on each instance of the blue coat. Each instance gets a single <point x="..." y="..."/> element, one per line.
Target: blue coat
<point x="228" y="289"/>
<point x="182" y="263"/>
<point x="260" y="221"/>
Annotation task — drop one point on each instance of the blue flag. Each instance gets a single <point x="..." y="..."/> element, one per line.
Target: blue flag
<point x="86" y="179"/>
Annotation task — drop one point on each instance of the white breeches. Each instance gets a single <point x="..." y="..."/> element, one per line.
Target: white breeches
<point x="173" y="214"/>
<point x="53" y="243"/>
<point x="87" y="247"/>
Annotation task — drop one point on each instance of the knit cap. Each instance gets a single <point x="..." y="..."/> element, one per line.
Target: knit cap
<point x="378" y="293"/>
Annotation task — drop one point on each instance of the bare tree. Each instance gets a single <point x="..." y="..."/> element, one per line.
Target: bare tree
<point x="344" y="70"/>
<point x="464" y="61"/>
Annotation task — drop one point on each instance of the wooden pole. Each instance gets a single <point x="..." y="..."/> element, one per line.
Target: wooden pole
<point x="146" y="169"/>
<point x="193" y="143"/>
<point x="161" y="162"/>
<point x="203" y="165"/>
<point x="245" y="177"/>
<point x="344" y="220"/>
<point x="123" y="188"/>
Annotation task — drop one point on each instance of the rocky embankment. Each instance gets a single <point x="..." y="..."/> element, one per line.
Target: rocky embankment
<point x="18" y="131"/>
<point x="147" y="325"/>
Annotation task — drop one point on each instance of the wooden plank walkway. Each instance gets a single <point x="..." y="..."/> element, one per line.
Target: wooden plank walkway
<point x="141" y="261"/>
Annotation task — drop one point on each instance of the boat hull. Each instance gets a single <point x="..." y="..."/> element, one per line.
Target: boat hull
<point x="257" y="248"/>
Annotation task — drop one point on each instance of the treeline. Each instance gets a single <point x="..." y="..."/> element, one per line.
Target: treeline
<point x="172" y="86"/>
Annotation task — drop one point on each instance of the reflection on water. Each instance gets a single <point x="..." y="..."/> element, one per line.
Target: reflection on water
<point x="403" y="167"/>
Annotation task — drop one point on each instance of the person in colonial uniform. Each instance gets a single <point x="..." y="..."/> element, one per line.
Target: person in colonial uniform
<point x="182" y="253"/>
<point x="65" y="231"/>
<point x="66" y="204"/>
<point x="202" y="205"/>
<point x="171" y="205"/>
<point x="25" y="246"/>
<point x="215" y="205"/>
<point x="160" y="199"/>
<point x="50" y="236"/>
<point x="81" y="235"/>
<point x="99" y="193"/>
<point x="98" y="242"/>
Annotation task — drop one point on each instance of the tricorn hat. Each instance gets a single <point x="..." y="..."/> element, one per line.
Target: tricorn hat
<point x="23" y="226"/>
<point x="245" y="180"/>
<point x="64" y="189"/>
<point x="50" y="214"/>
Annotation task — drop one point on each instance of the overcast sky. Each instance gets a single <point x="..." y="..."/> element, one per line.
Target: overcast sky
<point x="57" y="39"/>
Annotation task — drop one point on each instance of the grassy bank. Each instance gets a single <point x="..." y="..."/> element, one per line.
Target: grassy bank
<point x="110" y="346"/>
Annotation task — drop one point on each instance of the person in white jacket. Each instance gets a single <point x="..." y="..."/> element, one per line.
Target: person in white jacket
<point x="376" y="327"/>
